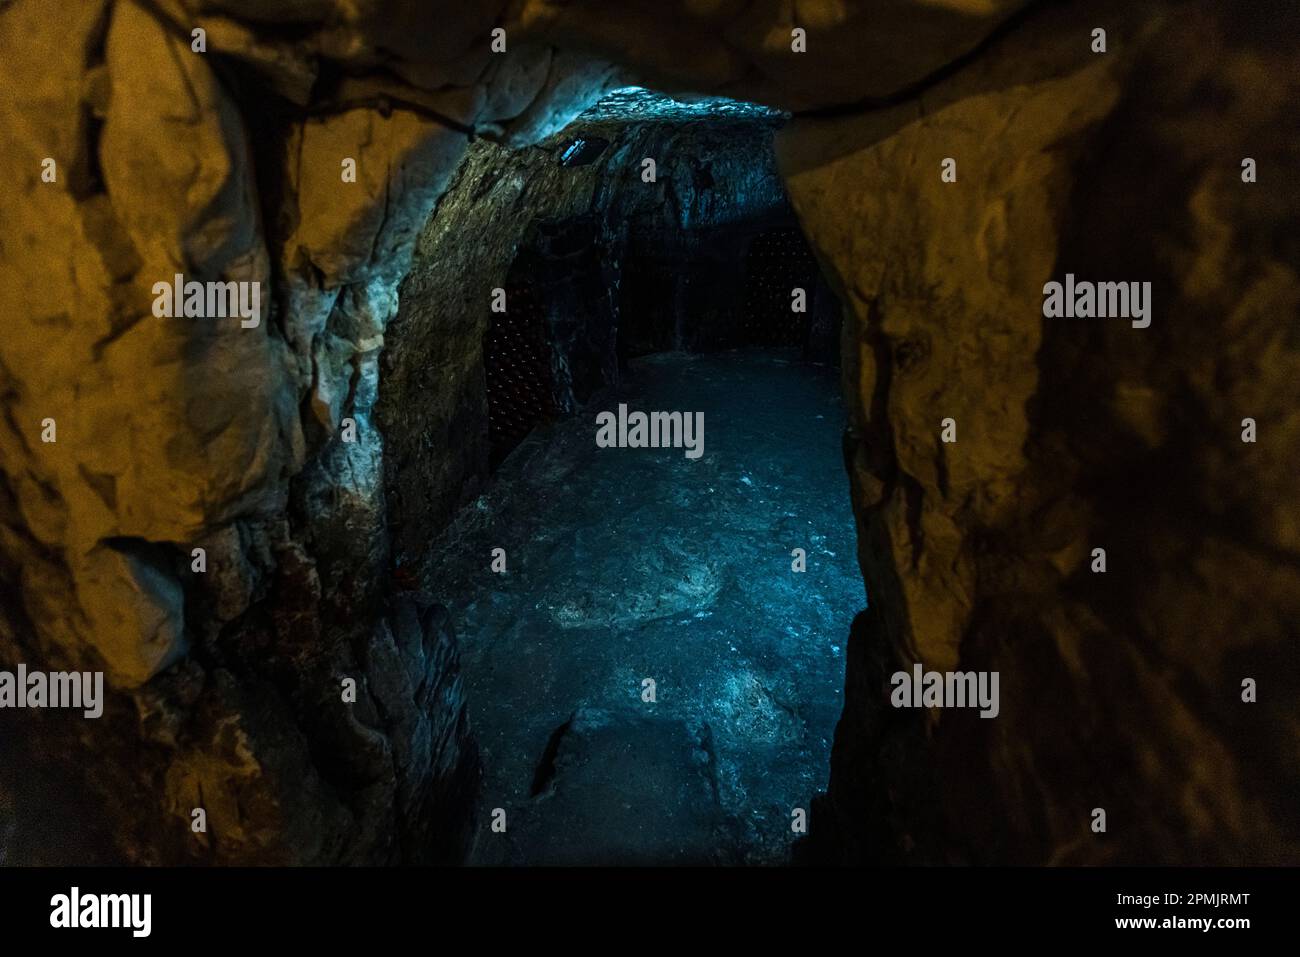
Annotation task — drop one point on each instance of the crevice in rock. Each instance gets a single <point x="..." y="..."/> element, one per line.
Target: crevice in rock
<point x="545" y="771"/>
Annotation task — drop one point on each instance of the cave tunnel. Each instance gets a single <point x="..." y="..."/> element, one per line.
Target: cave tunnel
<point x="523" y="432"/>
<point x="653" y="660"/>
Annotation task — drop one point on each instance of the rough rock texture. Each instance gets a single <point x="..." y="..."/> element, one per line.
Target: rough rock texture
<point x="175" y="434"/>
<point x="1119" y="691"/>
<point x="1123" y="690"/>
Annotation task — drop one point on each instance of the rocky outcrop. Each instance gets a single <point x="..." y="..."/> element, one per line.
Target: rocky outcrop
<point x="172" y="434"/>
<point x="139" y="149"/>
<point x="1122" y="690"/>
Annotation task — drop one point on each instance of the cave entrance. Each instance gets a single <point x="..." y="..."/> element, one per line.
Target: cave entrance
<point x="651" y="637"/>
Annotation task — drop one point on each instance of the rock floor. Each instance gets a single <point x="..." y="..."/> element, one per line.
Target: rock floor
<point x="633" y="564"/>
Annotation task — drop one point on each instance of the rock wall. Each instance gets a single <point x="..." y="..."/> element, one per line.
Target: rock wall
<point x="182" y="434"/>
<point x="1123" y="690"/>
<point x="224" y="163"/>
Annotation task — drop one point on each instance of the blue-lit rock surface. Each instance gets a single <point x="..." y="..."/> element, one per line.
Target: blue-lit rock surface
<point x="570" y="227"/>
<point x="636" y="103"/>
<point x="627" y="564"/>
